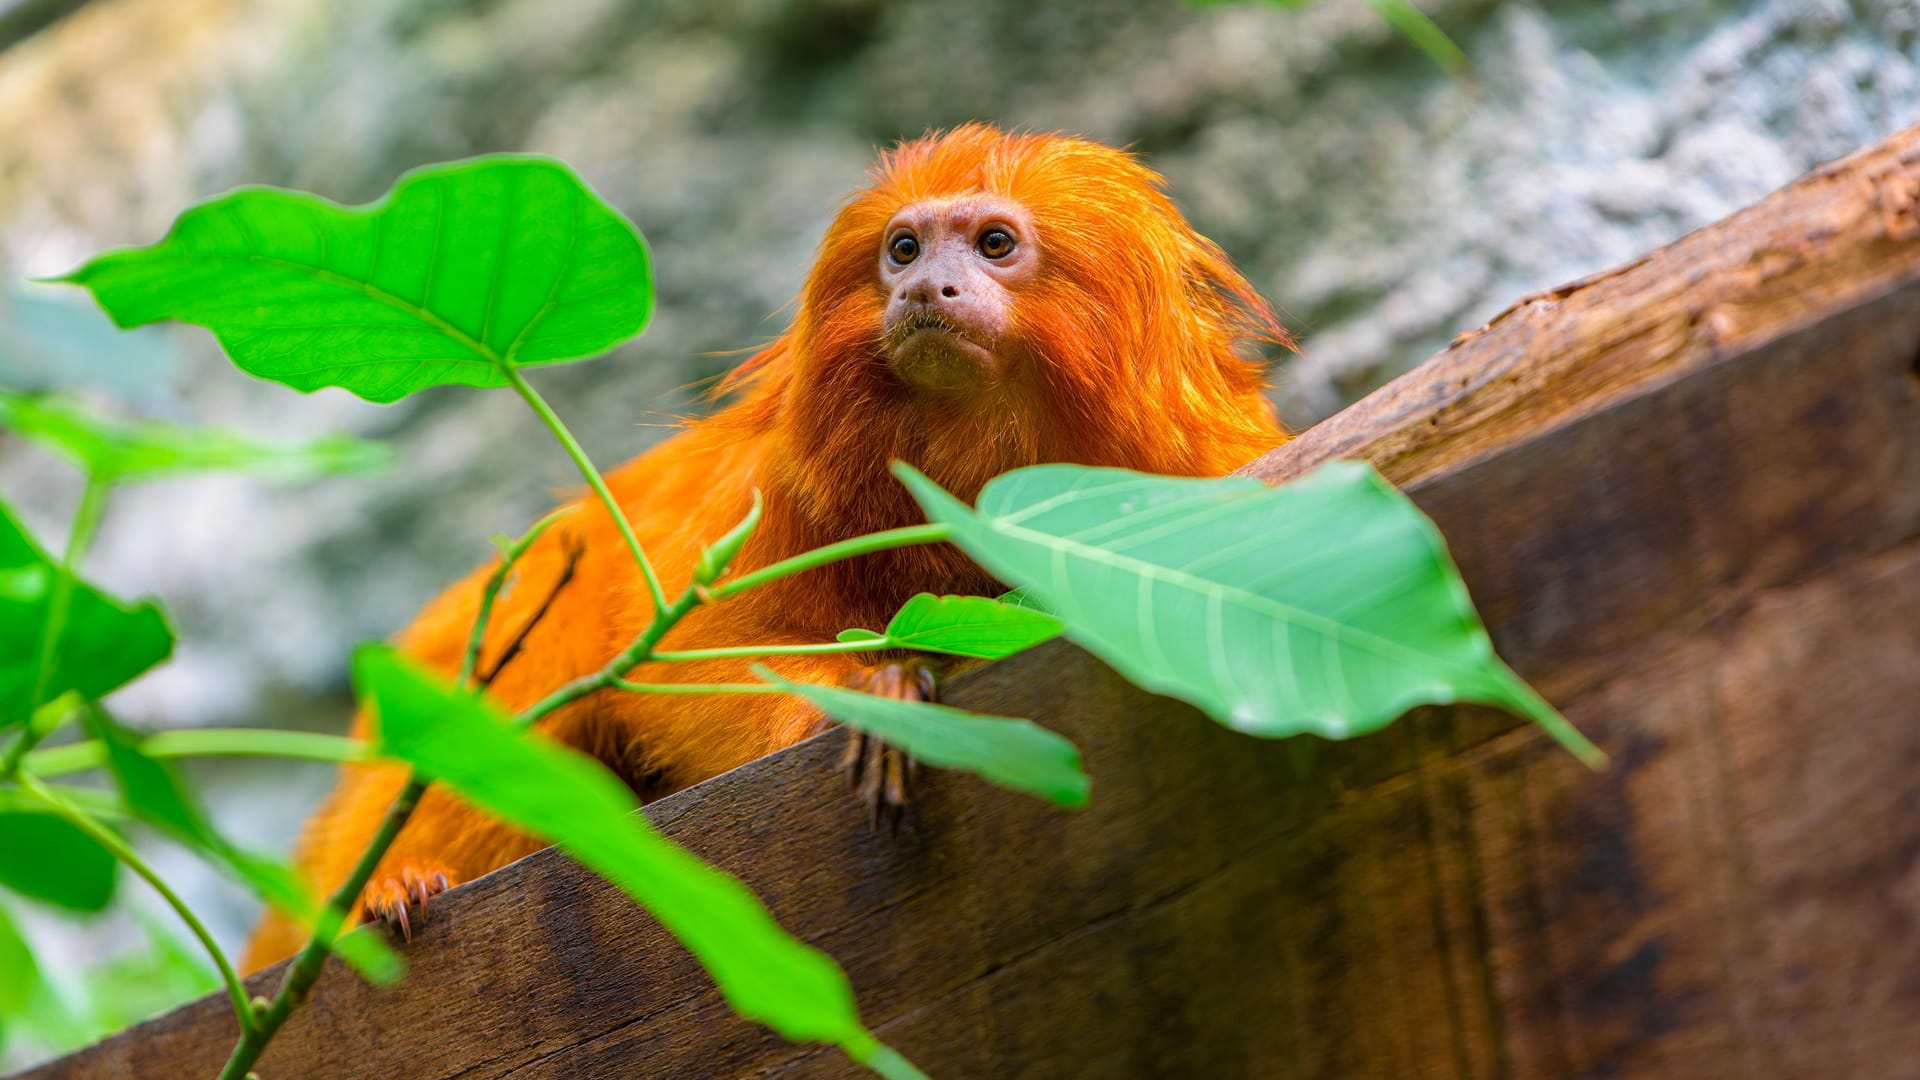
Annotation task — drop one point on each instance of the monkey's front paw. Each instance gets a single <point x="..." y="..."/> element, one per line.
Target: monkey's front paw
<point x="389" y="896"/>
<point x="881" y="776"/>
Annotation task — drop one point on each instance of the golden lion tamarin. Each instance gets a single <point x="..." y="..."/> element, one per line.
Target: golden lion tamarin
<point x="988" y="301"/>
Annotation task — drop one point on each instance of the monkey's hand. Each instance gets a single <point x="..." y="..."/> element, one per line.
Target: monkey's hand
<point x="879" y="775"/>
<point x="389" y="895"/>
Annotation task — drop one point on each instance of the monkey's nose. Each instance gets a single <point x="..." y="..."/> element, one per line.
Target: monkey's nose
<point x="930" y="291"/>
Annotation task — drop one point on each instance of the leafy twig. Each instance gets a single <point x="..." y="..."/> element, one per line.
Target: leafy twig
<point x="107" y="838"/>
<point x="594" y="480"/>
<point x="312" y="958"/>
<point x="628" y="658"/>
<point x="698" y="688"/>
<point x="539" y="613"/>
<point x="821" y="556"/>
<point x="202" y="742"/>
<point x="85" y="520"/>
<point x="824" y="648"/>
<point x="307" y="965"/>
<point x="509" y="555"/>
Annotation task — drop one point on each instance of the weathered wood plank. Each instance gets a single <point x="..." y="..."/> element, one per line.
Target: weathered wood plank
<point x="1712" y="563"/>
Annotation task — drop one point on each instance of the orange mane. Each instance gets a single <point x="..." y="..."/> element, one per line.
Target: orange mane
<point x="1146" y="335"/>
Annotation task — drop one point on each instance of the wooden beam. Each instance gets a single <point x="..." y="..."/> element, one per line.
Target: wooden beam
<point x="1686" y="496"/>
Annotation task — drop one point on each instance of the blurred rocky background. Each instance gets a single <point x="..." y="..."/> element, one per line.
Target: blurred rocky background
<point x="1382" y="203"/>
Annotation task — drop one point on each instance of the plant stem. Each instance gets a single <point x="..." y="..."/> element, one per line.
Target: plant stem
<point x="312" y="959"/>
<point x="821" y="556"/>
<point x="210" y="742"/>
<point x="822" y="649"/>
<point x="487" y="596"/>
<point x="633" y="655"/>
<point x="100" y="804"/>
<point x="585" y="464"/>
<point x="641" y="650"/>
<point x="698" y="688"/>
<point x="86" y="518"/>
<point x="111" y="840"/>
<point x="306" y="967"/>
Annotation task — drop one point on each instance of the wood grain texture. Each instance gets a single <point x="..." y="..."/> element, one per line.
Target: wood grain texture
<point x="1707" y="551"/>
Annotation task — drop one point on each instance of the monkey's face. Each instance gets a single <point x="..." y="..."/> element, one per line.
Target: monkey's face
<point x="951" y="269"/>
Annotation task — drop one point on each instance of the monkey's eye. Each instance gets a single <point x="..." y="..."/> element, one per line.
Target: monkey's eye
<point x="903" y="248"/>
<point x="996" y="243"/>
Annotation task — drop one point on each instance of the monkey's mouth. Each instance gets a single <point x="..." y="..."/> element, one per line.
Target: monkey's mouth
<point x="933" y="352"/>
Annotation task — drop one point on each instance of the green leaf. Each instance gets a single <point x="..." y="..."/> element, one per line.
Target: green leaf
<point x="975" y="626"/>
<point x="1021" y="598"/>
<point x="888" y="1062"/>
<point x="154" y="791"/>
<point x="283" y="888"/>
<point x="969" y="626"/>
<point x="48" y="858"/>
<point x="143" y="982"/>
<point x="1016" y="754"/>
<point x="715" y="557"/>
<point x="363" y="950"/>
<point x="462" y="271"/>
<point x="19" y="975"/>
<point x="105" y="643"/>
<point x="113" y="450"/>
<point x="572" y="800"/>
<point x="1328" y="605"/>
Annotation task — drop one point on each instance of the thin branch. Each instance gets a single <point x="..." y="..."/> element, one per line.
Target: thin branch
<point x="306" y="967"/>
<point x="574" y="551"/>
<point x="510" y="554"/>
<point x="697" y="688"/>
<point x="825" y="648"/>
<point x="831" y="553"/>
<point x="107" y="838"/>
<point x="594" y="480"/>
<point x="202" y="742"/>
<point x="629" y="658"/>
<point x="312" y="958"/>
<point x="86" y="519"/>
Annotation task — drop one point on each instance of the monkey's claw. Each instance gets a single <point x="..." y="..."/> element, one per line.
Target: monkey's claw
<point x="388" y="897"/>
<point x="882" y="776"/>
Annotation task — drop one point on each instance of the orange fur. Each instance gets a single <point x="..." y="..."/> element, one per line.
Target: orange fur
<point x="1137" y="324"/>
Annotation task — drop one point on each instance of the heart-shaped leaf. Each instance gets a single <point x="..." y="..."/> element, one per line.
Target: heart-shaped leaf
<point x="104" y="645"/>
<point x="1328" y="605"/>
<point x="568" y="798"/>
<point x="112" y="450"/>
<point x="976" y="626"/>
<point x="461" y="272"/>
<point x="1016" y="754"/>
